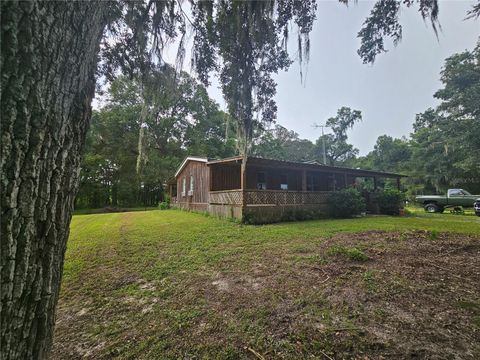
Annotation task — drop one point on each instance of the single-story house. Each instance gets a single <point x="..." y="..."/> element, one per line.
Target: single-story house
<point x="268" y="188"/>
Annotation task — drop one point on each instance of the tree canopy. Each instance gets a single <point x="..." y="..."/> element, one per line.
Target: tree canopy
<point x="244" y="42"/>
<point x="447" y="139"/>
<point x="145" y="130"/>
<point x="442" y="150"/>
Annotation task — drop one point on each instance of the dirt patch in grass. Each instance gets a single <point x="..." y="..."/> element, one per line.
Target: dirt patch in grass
<point x="407" y="297"/>
<point x="367" y="295"/>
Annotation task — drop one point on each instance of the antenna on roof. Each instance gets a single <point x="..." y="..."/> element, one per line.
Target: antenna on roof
<point x="316" y="126"/>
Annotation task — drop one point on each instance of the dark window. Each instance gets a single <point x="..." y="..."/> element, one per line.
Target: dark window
<point x="313" y="183"/>
<point x="283" y="182"/>
<point x="332" y="183"/>
<point x="261" y="181"/>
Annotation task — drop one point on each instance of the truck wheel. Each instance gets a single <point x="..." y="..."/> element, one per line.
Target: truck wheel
<point x="431" y="208"/>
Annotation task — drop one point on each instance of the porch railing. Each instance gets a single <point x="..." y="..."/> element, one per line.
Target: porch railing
<point x="282" y="197"/>
<point x="226" y="197"/>
<point x="269" y="197"/>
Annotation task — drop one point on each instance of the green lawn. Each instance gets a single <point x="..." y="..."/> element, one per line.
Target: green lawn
<point x="171" y="284"/>
<point x="106" y="210"/>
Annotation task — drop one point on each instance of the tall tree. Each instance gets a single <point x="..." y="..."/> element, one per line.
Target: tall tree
<point x="49" y="56"/>
<point x="250" y="38"/>
<point x="446" y="140"/>
<point x="389" y="154"/>
<point x="283" y="144"/>
<point x="337" y="150"/>
<point x="48" y="62"/>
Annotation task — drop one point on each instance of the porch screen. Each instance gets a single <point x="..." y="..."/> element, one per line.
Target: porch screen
<point x="261" y="181"/>
<point x="284" y="182"/>
<point x="313" y="183"/>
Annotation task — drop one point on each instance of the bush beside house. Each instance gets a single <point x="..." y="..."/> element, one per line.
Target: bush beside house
<point x="389" y="201"/>
<point x="346" y="203"/>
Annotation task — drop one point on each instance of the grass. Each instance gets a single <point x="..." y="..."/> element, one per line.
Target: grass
<point x="172" y="284"/>
<point x="350" y="252"/>
<point x="104" y="210"/>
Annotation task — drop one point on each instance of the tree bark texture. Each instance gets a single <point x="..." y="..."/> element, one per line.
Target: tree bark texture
<point x="48" y="60"/>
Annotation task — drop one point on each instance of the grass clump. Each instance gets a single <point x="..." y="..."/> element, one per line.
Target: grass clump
<point x="369" y="279"/>
<point x="352" y="253"/>
<point x="434" y="234"/>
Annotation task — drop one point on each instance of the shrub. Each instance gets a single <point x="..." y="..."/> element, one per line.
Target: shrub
<point x="390" y="201"/>
<point x="434" y="235"/>
<point x="346" y="203"/>
<point x="268" y="216"/>
<point x="164" y="205"/>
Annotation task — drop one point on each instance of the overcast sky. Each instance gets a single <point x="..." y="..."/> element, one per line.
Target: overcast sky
<point x="399" y="85"/>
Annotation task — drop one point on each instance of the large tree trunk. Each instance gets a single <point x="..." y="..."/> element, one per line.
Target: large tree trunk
<point x="48" y="61"/>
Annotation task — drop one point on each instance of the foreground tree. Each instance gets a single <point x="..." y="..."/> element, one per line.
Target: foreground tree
<point x="49" y="56"/>
<point x="48" y="61"/>
<point x="48" y="64"/>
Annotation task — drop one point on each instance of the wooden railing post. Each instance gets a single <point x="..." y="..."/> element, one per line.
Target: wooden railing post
<point x="304" y="180"/>
<point x="243" y="181"/>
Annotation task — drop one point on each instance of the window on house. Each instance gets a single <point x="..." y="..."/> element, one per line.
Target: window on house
<point x="284" y="182"/>
<point x="261" y="181"/>
<point x="313" y="183"/>
<point x="332" y="183"/>
<point x="192" y="182"/>
<point x="184" y="185"/>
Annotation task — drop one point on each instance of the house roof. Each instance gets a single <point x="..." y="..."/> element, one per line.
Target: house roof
<point x="187" y="159"/>
<point x="306" y="165"/>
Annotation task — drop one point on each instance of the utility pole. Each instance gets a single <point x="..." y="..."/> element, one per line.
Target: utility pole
<point x="316" y="126"/>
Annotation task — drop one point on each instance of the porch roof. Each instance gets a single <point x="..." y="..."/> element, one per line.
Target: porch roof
<point x="258" y="161"/>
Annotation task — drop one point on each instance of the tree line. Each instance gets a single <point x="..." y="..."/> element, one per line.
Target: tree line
<point x="146" y="128"/>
